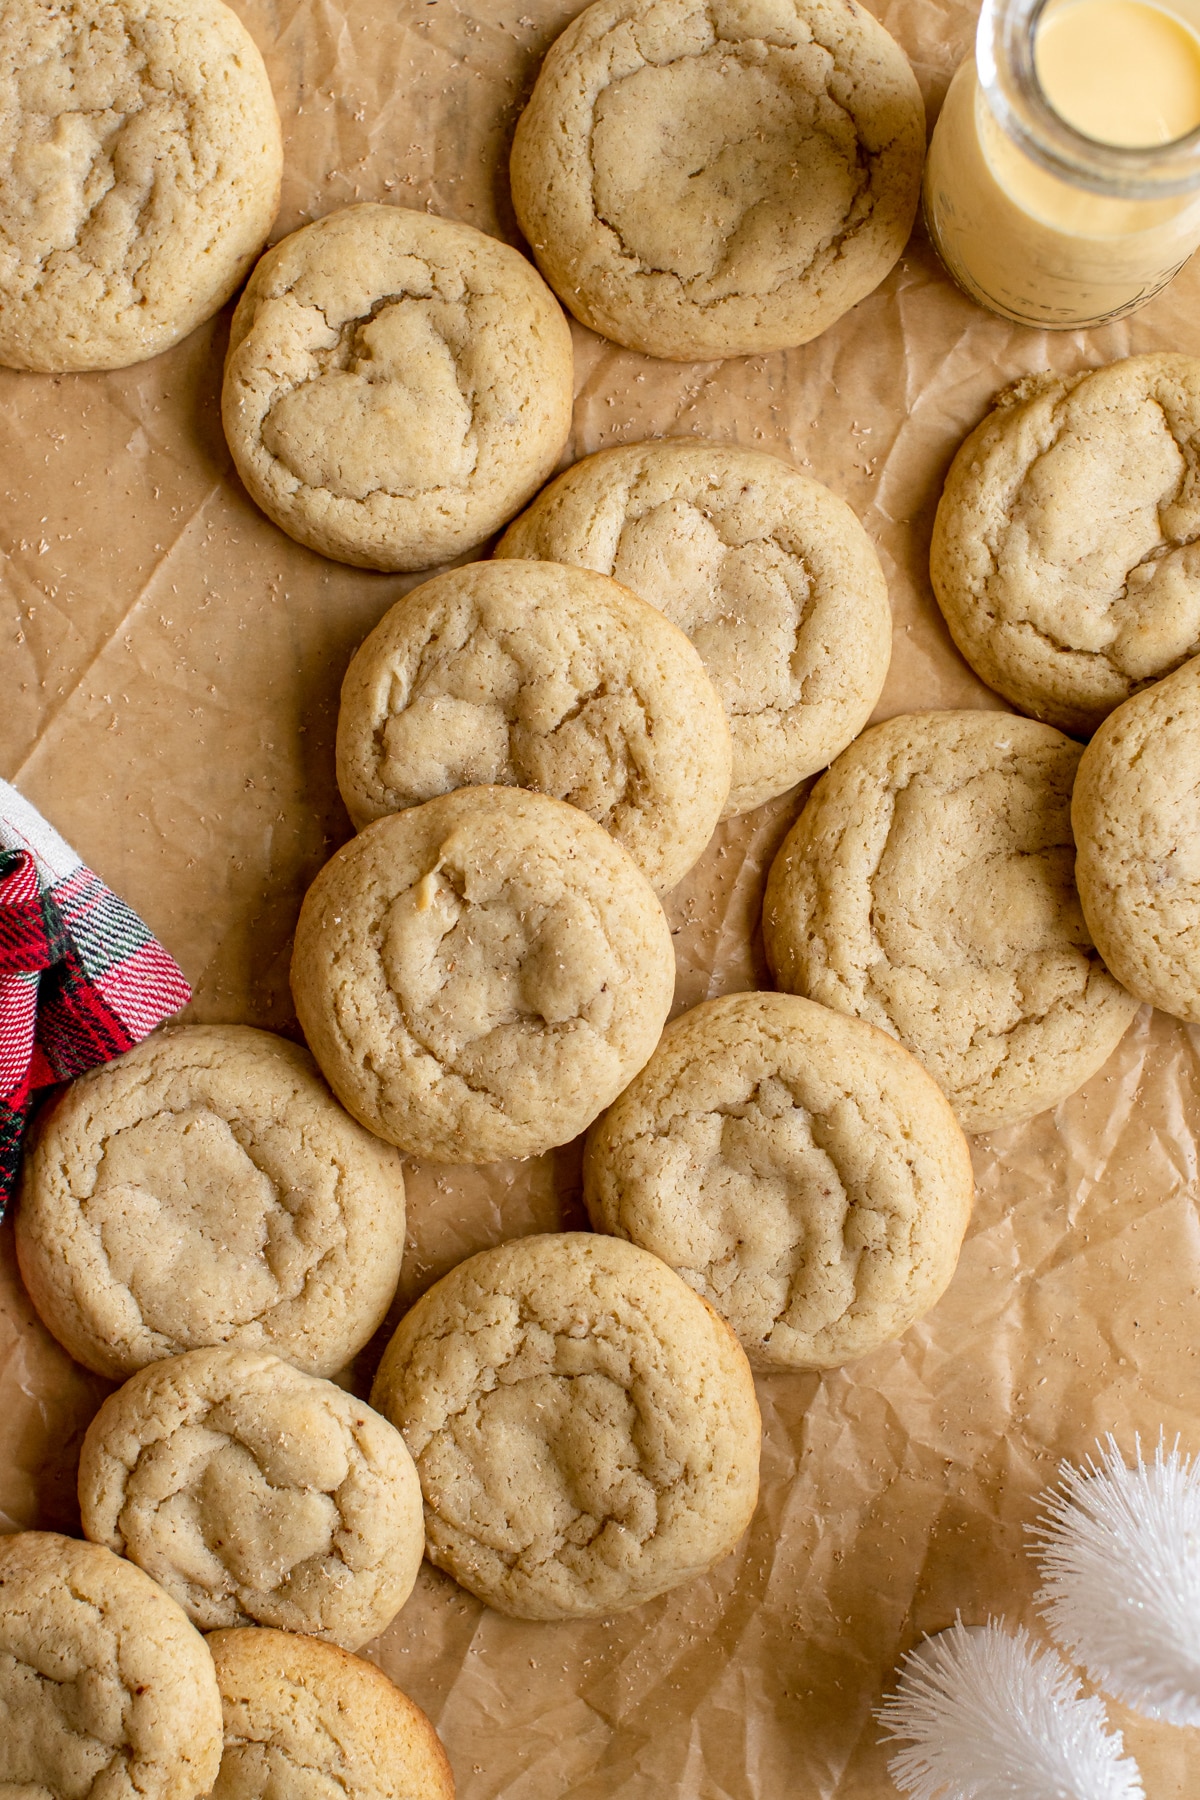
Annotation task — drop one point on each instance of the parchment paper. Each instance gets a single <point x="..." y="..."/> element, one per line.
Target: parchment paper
<point x="172" y="663"/>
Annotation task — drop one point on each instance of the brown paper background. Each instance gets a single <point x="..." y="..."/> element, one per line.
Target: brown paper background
<point x="171" y="669"/>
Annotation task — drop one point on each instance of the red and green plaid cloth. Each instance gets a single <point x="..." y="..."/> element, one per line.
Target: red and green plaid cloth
<point x="81" y="978"/>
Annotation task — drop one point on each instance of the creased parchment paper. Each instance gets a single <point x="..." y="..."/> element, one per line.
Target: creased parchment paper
<point x="171" y="671"/>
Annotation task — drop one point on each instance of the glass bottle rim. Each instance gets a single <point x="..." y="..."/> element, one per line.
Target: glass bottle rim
<point x="1004" y="57"/>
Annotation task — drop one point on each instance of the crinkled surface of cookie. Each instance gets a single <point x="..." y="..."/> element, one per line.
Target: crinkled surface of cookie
<point x="1066" y="550"/>
<point x="585" y="1426"/>
<point x="542" y="677"/>
<point x="105" y="1688"/>
<point x="928" y="888"/>
<point x="480" y="976"/>
<point x="305" y="1719"/>
<point x="706" y="178"/>
<point x="397" y="386"/>
<point x="1136" y="814"/>
<point x="770" y="575"/>
<point x="140" y="165"/>
<point x="206" y="1188"/>
<point x="256" y="1494"/>
<point x="797" y="1167"/>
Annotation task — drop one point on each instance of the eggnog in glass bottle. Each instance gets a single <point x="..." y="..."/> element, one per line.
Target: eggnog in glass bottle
<point x="1062" y="186"/>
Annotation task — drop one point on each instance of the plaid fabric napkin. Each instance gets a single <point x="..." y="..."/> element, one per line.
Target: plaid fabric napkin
<point x="81" y="978"/>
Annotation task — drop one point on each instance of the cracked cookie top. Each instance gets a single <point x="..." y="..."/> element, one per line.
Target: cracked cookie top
<point x="305" y="1719"/>
<point x="397" y="386"/>
<point x="543" y="677"/>
<point x="584" y="1425"/>
<point x="797" y="1167"/>
<point x="708" y="178"/>
<point x="928" y="887"/>
<point x="206" y="1188"/>
<point x="255" y="1494"/>
<point x="770" y="575"/>
<point x="1066" y="549"/>
<point x="480" y="976"/>
<point x="140" y="164"/>
<point x="105" y="1688"/>
<point x="1136" y="814"/>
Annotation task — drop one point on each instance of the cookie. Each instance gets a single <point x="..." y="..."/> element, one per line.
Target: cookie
<point x="141" y="157"/>
<point x="708" y="178"/>
<point x="302" y="1718"/>
<point x="928" y="888"/>
<point x="105" y="1688"/>
<point x="770" y="575"/>
<point x="479" y="977"/>
<point x="397" y="386"/>
<point x="255" y="1495"/>
<point x="538" y="676"/>
<point x="1136" y="815"/>
<point x="1066" y="549"/>
<point x="206" y="1188"/>
<point x="797" y="1167"/>
<point x="584" y="1425"/>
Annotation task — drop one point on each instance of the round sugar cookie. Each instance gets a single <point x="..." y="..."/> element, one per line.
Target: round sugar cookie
<point x="770" y="575"/>
<point x="480" y="976"/>
<point x="1066" y="548"/>
<point x="206" y="1188"/>
<point x="709" y="178"/>
<point x="538" y="676"/>
<point x="256" y="1495"/>
<point x="797" y="1167"/>
<point x="303" y="1718"/>
<point x="105" y="1688"/>
<point x="141" y="157"/>
<point x="584" y="1425"/>
<point x="928" y="888"/>
<point x="397" y="386"/>
<point x="1136" y="816"/>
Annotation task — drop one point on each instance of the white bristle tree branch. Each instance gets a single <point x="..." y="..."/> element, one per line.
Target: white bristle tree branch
<point x="1118" y="1550"/>
<point x="989" y="1717"/>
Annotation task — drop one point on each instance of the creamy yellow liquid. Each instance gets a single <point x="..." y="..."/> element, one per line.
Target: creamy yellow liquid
<point x="1121" y="71"/>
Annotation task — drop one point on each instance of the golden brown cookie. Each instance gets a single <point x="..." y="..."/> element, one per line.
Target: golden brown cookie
<point x="770" y="575"/>
<point x="105" y="1688"/>
<point x="397" y="386"/>
<point x="256" y="1495"/>
<point x="797" y="1167"/>
<point x="539" y="676"/>
<point x="206" y="1188"/>
<point x="1066" y="549"/>
<point x="1136" y="815"/>
<point x="584" y="1425"/>
<point x="703" y="178"/>
<point x="928" y="888"/>
<point x="141" y="158"/>
<point x="480" y="976"/>
<point x="302" y="1718"/>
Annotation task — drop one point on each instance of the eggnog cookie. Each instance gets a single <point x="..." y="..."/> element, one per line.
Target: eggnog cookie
<point x="1136" y="815"/>
<point x="480" y="976"/>
<point x="705" y="178"/>
<point x="1066" y="550"/>
<point x="302" y="1718"/>
<point x="105" y="1689"/>
<point x="140" y="161"/>
<point x="538" y="676"/>
<point x="928" y="888"/>
<point x="206" y="1188"/>
<point x="798" y="1168"/>
<point x="584" y="1425"/>
<point x="397" y="386"/>
<point x="255" y="1494"/>
<point x="770" y="575"/>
